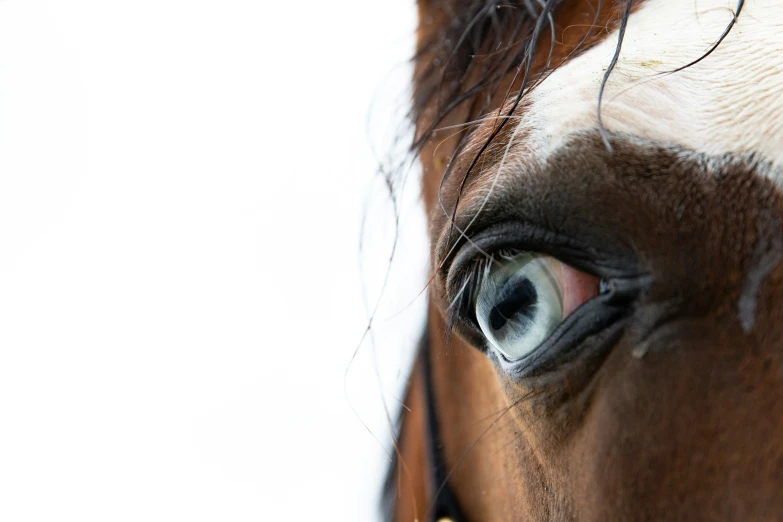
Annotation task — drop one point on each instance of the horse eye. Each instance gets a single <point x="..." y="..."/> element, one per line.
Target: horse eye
<point x="523" y="298"/>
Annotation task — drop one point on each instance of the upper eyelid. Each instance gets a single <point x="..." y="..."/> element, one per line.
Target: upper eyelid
<point x="528" y="237"/>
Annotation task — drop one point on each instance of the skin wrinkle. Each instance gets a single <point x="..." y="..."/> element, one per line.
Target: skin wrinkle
<point x="768" y="254"/>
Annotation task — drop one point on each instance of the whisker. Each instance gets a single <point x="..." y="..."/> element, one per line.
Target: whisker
<point x="620" y="37"/>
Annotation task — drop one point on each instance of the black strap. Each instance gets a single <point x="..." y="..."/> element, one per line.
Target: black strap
<point x="445" y="504"/>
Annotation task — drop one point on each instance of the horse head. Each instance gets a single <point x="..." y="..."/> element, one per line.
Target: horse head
<point x="605" y="324"/>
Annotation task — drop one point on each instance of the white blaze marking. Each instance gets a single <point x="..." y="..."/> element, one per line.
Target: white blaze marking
<point x="730" y="102"/>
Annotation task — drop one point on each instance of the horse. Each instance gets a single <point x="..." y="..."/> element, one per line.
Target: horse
<point x="604" y="337"/>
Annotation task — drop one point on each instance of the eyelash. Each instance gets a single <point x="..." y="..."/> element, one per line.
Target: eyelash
<point x="462" y="289"/>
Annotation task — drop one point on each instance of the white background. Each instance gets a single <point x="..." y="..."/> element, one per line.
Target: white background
<point x="181" y="190"/>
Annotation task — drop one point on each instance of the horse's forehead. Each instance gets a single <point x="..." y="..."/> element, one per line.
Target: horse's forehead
<point x="729" y="102"/>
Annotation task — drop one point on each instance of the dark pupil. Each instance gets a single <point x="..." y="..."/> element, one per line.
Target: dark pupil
<point x="521" y="300"/>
